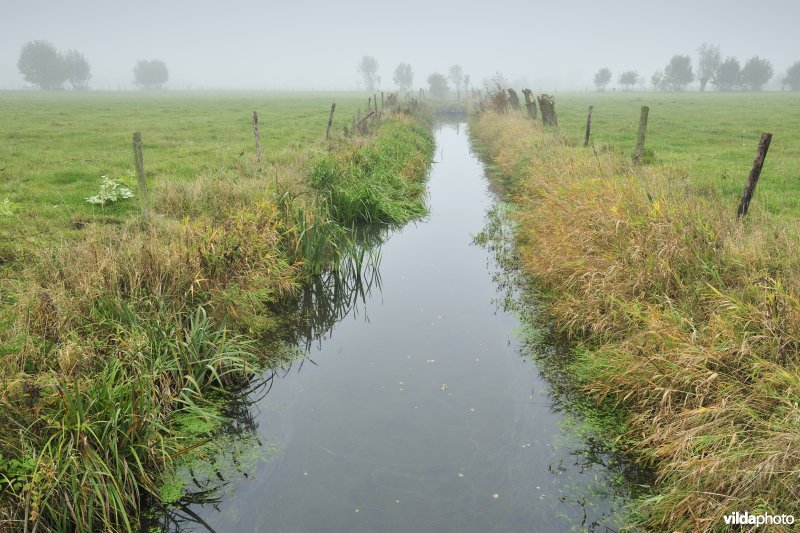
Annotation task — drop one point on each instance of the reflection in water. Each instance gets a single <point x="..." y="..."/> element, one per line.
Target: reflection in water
<point x="335" y="294"/>
<point x="616" y="478"/>
<point x="237" y="448"/>
<point x="332" y="296"/>
<point x="233" y="450"/>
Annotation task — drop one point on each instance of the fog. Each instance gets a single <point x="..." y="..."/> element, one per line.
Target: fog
<point x="304" y="44"/>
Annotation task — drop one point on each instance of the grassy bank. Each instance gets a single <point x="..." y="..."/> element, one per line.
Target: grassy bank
<point x="120" y="339"/>
<point x="684" y="318"/>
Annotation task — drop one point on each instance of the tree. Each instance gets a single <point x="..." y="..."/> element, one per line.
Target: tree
<point x="77" y="70"/>
<point x="756" y="73"/>
<point x="628" y="79"/>
<point x="678" y="73"/>
<point x="601" y="78"/>
<point x="657" y="80"/>
<point x="708" y="61"/>
<point x="403" y="77"/>
<point x="729" y="75"/>
<point x="40" y="63"/>
<point x="792" y="78"/>
<point x="151" y="74"/>
<point x="368" y="68"/>
<point x="456" y="75"/>
<point x="438" y="85"/>
<point x="466" y="82"/>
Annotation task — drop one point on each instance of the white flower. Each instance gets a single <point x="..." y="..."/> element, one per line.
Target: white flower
<point x="111" y="190"/>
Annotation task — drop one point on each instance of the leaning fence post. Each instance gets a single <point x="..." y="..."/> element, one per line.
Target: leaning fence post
<point x="362" y="123"/>
<point x="513" y="99"/>
<point x="588" y="127"/>
<point x="138" y="161"/>
<point x="257" y="136"/>
<point x="547" y="105"/>
<point x="637" y="155"/>
<point x="755" y="172"/>
<point x="330" y="120"/>
<point x="530" y="103"/>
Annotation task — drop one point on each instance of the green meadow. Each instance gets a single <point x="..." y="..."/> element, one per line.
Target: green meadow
<point x="707" y="141"/>
<point x="54" y="147"/>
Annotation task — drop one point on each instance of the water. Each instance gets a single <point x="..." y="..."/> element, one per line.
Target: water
<point x="416" y="411"/>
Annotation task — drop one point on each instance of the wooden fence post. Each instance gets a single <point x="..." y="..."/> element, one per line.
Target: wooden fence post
<point x="588" y="127"/>
<point x="257" y="136"/>
<point x="513" y="99"/>
<point x="530" y="103"/>
<point x="362" y="123"/>
<point x="755" y="172"/>
<point x="138" y="161"/>
<point x="547" y="105"/>
<point x="330" y="120"/>
<point x="639" y="152"/>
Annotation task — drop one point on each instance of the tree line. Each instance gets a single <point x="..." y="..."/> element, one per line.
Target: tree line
<point x="41" y="64"/>
<point x="438" y="83"/>
<point x="725" y="74"/>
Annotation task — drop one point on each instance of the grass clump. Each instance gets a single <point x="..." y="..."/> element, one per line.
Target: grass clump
<point x="379" y="181"/>
<point x="685" y="318"/>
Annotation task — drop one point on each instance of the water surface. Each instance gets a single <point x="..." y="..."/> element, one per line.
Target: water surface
<point x="416" y="411"/>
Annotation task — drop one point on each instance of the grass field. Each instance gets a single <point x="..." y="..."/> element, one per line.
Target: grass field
<point x="684" y="319"/>
<point x="55" y="146"/>
<point x="120" y="336"/>
<point x="706" y="140"/>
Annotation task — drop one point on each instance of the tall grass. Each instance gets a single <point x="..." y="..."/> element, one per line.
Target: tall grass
<point x="684" y="317"/>
<point x="100" y="437"/>
<point x="379" y="181"/>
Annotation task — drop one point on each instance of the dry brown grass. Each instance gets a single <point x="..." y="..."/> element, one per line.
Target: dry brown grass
<point x="689" y="319"/>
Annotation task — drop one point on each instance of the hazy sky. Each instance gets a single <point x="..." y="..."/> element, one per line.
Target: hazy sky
<point x="311" y="44"/>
